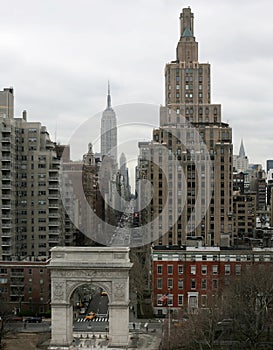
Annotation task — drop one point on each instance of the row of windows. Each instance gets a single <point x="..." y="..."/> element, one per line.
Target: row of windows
<point x="204" y="269"/>
<point x="180" y="283"/>
<point x="193" y="300"/>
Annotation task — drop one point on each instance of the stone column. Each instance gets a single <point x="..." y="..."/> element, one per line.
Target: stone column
<point x="118" y="325"/>
<point x="62" y="319"/>
<point x="119" y="313"/>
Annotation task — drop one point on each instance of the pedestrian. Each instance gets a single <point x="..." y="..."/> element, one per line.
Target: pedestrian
<point x="146" y="326"/>
<point x="134" y="326"/>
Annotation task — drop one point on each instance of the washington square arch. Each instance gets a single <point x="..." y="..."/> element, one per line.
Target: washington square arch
<point x="105" y="267"/>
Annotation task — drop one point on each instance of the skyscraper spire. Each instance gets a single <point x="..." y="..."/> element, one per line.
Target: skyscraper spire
<point x="242" y="150"/>
<point x="108" y="97"/>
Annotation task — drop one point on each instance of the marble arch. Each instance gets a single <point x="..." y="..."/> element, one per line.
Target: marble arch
<point x="107" y="267"/>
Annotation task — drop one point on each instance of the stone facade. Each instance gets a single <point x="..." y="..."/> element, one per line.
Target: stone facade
<point x="105" y="267"/>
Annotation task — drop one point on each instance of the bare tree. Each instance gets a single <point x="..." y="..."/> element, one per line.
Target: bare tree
<point x="196" y="330"/>
<point x="249" y="303"/>
<point x="5" y="313"/>
<point x="139" y="274"/>
<point x="241" y="317"/>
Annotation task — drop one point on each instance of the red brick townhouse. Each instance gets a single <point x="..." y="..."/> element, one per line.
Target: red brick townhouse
<point x="191" y="275"/>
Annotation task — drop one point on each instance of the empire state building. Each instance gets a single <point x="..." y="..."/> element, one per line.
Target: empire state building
<point x="109" y="131"/>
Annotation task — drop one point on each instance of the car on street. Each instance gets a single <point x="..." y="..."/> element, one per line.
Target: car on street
<point x="90" y="316"/>
<point x="33" y="320"/>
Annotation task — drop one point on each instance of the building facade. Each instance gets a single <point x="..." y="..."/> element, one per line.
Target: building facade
<point x="109" y="131"/>
<point x="25" y="286"/>
<point x="32" y="215"/>
<point x="182" y="182"/>
<point x="192" y="276"/>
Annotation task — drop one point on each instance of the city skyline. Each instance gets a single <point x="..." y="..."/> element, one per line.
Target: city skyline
<point x="59" y="68"/>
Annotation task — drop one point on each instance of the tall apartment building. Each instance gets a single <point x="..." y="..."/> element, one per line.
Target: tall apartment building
<point x="188" y="102"/>
<point x="31" y="214"/>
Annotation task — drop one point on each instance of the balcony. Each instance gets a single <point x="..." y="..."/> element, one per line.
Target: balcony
<point x="6" y="244"/>
<point x="6" y="129"/>
<point x="54" y="215"/>
<point x="6" y="187"/>
<point x="51" y="186"/>
<point x="6" y="225"/>
<point x="6" y="139"/>
<point x="53" y="205"/>
<point x="6" y="234"/>
<point x="54" y="223"/>
<point x="6" y="196"/>
<point x="6" y="252"/>
<point x="6" y="177"/>
<point x="56" y="232"/>
<point x="53" y="240"/>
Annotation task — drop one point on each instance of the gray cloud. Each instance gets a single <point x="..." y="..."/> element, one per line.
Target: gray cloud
<point x="58" y="55"/>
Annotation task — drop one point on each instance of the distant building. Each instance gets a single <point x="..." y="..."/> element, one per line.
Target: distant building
<point x="109" y="131"/>
<point x="123" y="171"/>
<point x="269" y="165"/>
<point x="240" y="162"/>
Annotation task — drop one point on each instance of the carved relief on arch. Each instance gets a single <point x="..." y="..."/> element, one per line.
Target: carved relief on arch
<point x="119" y="290"/>
<point x="74" y="273"/>
<point x="58" y="289"/>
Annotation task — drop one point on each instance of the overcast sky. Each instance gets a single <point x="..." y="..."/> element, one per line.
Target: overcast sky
<point x="59" y="54"/>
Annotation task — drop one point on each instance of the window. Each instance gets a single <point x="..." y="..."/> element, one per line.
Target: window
<point x="30" y="271"/>
<point x="204" y="269"/>
<point x="180" y="283"/>
<point x="204" y="300"/>
<point x="215" y="269"/>
<point x="237" y="269"/>
<point x="180" y="299"/>
<point x="193" y="270"/>
<point x="159" y="283"/>
<point x="170" y="283"/>
<point x="214" y="284"/>
<point x="193" y="302"/>
<point x="159" y="269"/>
<point x="180" y="269"/>
<point x="227" y="269"/>
<point x="193" y="283"/>
<point x="204" y="284"/>
<point x="170" y="300"/>
<point x="170" y="269"/>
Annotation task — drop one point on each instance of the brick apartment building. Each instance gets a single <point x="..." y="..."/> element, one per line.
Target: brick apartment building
<point x="192" y="275"/>
<point x="25" y="286"/>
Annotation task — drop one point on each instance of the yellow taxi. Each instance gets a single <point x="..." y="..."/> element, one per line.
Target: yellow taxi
<point x="90" y="316"/>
